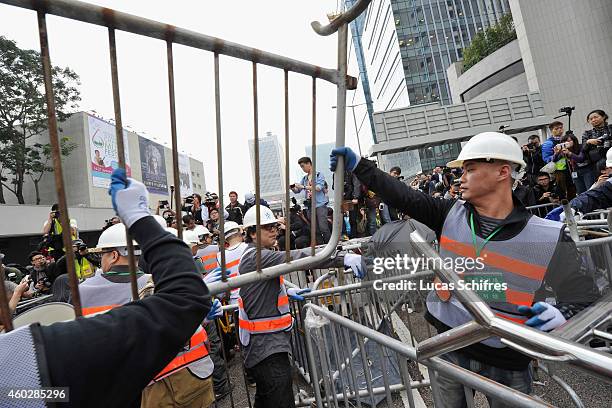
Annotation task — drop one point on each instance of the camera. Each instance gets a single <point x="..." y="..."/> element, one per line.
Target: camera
<point x="567" y="110"/>
<point x="163" y="204"/>
<point x="563" y="145"/>
<point x="307" y="202"/>
<point x="292" y="185"/>
<point x="189" y="200"/>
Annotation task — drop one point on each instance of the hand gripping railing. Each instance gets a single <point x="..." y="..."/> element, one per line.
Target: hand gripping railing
<point x="114" y="20"/>
<point x="486" y="324"/>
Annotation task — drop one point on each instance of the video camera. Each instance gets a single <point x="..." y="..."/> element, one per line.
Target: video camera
<point x="567" y="110"/>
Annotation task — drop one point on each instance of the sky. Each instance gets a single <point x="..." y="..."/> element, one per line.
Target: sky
<point x="281" y="27"/>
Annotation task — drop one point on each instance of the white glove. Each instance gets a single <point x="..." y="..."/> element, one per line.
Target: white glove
<point x="544" y="317"/>
<point x="576" y="215"/>
<point x="130" y="198"/>
<point x="213" y="276"/>
<point x="214" y="313"/>
<point x="353" y="261"/>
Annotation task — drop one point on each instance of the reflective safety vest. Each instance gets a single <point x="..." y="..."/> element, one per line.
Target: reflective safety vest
<point x="518" y="264"/>
<point x="561" y="164"/>
<point x="195" y="349"/>
<point x="208" y="256"/>
<point x="269" y="324"/>
<point x="84" y="269"/>
<point x="99" y="294"/>
<point x="232" y="262"/>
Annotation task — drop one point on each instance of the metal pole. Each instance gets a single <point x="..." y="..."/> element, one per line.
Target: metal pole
<point x="57" y="162"/>
<point x="287" y="199"/>
<point x="220" y="170"/>
<point x="175" y="158"/>
<point x="257" y="181"/>
<point x="356" y="130"/>
<point x="313" y="172"/>
<point x="112" y="46"/>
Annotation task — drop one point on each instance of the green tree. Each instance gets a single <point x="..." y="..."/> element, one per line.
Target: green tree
<point x="486" y="43"/>
<point x="23" y="114"/>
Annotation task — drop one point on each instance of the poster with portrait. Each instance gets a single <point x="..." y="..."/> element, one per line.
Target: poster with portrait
<point x="185" y="175"/>
<point x="104" y="155"/>
<point x="153" y="166"/>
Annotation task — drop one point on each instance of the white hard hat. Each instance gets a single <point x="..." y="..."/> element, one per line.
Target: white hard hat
<point x="113" y="238"/>
<point x="609" y="158"/>
<point x="491" y="146"/>
<point x="201" y="230"/>
<point x="161" y="221"/>
<point x="190" y="237"/>
<point x="173" y="231"/>
<point x="231" y="228"/>
<point x="249" y="197"/>
<point x="73" y="223"/>
<point x="266" y="215"/>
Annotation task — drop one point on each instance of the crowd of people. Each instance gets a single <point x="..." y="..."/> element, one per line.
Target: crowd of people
<point x="490" y="183"/>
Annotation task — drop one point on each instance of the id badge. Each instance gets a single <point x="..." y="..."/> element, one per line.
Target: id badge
<point x="574" y="174"/>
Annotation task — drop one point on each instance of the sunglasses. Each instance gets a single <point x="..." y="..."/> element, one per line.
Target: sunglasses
<point x="270" y="227"/>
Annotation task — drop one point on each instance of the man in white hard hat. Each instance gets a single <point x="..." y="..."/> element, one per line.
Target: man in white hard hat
<point x="107" y="360"/>
<point x="521" y="252"/>
<point x="265" y="319"/>
<point x="207" y="252"/>
<point x="234" y="248"/>
<point x="112" y="286"/>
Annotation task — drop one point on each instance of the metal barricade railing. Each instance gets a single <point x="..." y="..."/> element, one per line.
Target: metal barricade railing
<point x="541" y="209"/>
<point x="114" y="20"/>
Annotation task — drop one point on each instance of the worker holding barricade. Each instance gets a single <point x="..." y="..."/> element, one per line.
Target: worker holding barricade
<point x="521" y="253"/>
<point x="265" y="320"/>
<point x="108" y="359"/>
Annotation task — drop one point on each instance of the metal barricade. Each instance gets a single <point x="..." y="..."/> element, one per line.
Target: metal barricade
<point x="541" y="209"/>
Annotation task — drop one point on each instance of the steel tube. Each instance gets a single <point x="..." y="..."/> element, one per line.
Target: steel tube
<point x="287" y="164"/>
<point x="342" y="19"/>
<point x="570" y="220"/>
<point x="220" y="168"/>
<point x="112" y="47"/>
<point x="454" y="339"/>
<point x="89" y="13"/>
<point x="257" y="181"/>
<point x="175" y="158"/>
<point x="313" y="172"/>
<point x="57" y="163"/>
<point x="452" y="371"/>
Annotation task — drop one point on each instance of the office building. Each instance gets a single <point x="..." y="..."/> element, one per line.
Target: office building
<point x="271" y="167"/>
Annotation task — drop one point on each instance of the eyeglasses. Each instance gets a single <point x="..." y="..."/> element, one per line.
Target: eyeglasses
<point x="40" y="258"/>
<point x="270" y="227"/>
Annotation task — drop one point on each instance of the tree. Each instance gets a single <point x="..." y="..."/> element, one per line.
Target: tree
<point x="486" y="43"/>
<point x="23" y="113"/>
<point x="38" y="158"/>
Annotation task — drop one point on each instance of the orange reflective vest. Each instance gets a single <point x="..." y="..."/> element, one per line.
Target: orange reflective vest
<point x="506" y="274"/>
<point x="195" y="349"/>
<point x="270" y="324"/>
<point x="208" y="256"/>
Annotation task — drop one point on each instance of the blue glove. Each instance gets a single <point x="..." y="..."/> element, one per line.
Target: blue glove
<point x="215" y="312"/>
<point x="555" y="214"/>
<point x="295" y="293"/>
<point x="350" y="158"/>
<point x="353" y="261"/>
<point x="544" y="317"/>
<point x="213" y="276"/>
<point x="130" y="198"/>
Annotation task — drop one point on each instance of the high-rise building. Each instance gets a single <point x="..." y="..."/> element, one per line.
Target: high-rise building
<point x="405" y="47"/>
<point x="271" y="168"/>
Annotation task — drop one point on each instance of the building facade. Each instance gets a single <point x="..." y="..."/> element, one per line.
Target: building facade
<point x="407" y="46"/>
<point x="271" y="167"/>
<point x="88" y="167"/>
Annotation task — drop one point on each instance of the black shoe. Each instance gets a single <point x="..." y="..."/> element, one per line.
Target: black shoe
<point x="220" y="395"/>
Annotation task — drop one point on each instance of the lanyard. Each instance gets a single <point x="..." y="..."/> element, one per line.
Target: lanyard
<point x="478" y="250"/>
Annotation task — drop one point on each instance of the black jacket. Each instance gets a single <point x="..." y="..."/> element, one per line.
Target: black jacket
<point x="533" y="159"/>
<point x="236" y="213"/>
<point x="574" y="291"/>
<point x="597" y="154"/>
<point x="107" y="360"/>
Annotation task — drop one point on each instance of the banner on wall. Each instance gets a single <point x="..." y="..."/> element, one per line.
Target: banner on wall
<point x="153" y="166"/>
<point x="185" y="175"/>
<point x="104" y="157"/>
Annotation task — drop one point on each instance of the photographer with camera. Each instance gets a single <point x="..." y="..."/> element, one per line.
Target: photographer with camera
<point x="42" y="273"/>
<point x="85" y="262"/>
<point x="52" y="235"/>
<point x="551" y="153"/>
<point x="193" y="205"/>
<point x="299" y="234"/>
<point x="314" y="194"/>
<point x="597" y="141"/>
<point x="532" y="154"/>
<point x="577" y="163"/>
<point x="547" y="191"/>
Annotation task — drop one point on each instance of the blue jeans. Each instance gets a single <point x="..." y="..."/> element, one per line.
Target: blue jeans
<point x="452" y="393"/>
<point x="584" y="181"/>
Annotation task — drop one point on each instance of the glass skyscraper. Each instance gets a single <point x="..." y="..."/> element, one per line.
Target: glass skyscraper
<point x="405" y="47"/>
